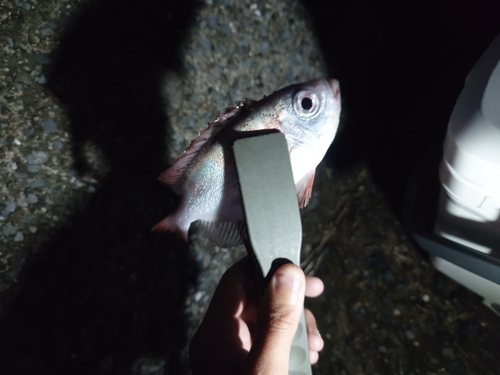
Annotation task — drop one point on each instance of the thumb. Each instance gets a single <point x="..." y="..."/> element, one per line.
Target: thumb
<point x="278" y="319"/>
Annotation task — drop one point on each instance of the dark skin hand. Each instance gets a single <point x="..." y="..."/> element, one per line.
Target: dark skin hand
<point x="240" y="336"/>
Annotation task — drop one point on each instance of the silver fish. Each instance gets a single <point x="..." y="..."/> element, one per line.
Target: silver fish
<point x="205" y="174"/>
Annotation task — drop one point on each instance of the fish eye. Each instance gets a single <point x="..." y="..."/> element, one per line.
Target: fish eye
<point x="306" y="103"/>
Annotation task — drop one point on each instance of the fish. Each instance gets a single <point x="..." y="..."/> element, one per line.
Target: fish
<point x="205" y="174"/>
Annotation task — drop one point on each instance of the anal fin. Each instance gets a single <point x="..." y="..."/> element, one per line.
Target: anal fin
<point x="223" y="234"/>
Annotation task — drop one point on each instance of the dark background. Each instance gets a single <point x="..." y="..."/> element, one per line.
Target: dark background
<point x="401" y="66"/>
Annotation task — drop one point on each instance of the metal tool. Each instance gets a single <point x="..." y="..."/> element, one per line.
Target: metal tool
<point x="274" y="230"/>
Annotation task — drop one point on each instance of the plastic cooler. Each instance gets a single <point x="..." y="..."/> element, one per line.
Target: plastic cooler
<point x="465" y="244"/>
<point x="469" y="204"/>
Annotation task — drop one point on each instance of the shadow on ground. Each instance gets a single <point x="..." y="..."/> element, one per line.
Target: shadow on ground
<point x="104" y="291"/>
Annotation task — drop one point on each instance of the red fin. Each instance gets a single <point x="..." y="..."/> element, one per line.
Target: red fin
<point x="173" y="175"/>
<point x="169" y="224"/>
<point x="304" y="188"/>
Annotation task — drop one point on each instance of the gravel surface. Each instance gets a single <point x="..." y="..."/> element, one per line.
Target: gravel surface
<point x="99" y="97"/>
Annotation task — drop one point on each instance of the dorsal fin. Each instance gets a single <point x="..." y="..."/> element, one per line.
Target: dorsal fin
<point x="173" y="175"/>
<point x="224" y="234"/>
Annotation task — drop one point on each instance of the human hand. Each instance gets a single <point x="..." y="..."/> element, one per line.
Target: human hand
<point x="237" y="336"/>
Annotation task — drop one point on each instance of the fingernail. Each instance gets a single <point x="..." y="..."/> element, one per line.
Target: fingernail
<point x="315" y="332"/>
<point x="288" y="279"/>
<point x="292" y="284"/>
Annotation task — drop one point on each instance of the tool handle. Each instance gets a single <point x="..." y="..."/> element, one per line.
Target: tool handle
<point x="298" y="363"/>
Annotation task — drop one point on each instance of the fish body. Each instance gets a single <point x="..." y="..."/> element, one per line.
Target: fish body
<point x="205" y="175"/>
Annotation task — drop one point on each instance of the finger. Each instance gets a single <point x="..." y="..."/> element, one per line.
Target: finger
<point x="314" y="286"/>
<point x="313" y="357"/>
<point x="314" y="338"/>
<point x="279" y="315"/>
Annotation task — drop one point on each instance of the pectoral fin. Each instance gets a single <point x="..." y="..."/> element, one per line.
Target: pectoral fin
<point x="304" y="188"/>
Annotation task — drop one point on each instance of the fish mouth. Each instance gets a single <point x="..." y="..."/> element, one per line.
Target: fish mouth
<point x="334" y="86"/>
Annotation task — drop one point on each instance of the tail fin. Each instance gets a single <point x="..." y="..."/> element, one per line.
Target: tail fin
<point x="171" y="224"/>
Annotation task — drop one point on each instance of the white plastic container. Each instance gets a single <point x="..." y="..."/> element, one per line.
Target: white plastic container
<point x="469" y="207"/>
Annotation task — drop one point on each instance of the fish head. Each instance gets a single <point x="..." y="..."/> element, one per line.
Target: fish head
<point x="309" y="114"/>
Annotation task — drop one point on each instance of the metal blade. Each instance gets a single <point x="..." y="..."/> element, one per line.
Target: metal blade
<point x="272" y="216"/>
